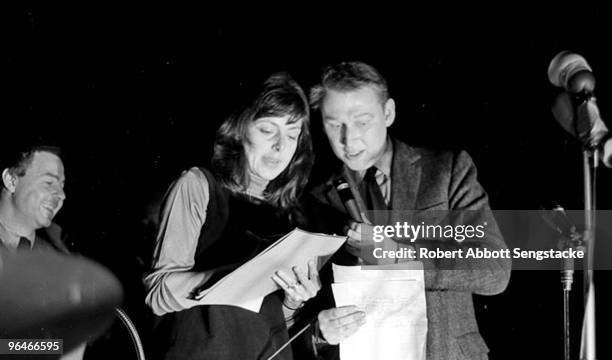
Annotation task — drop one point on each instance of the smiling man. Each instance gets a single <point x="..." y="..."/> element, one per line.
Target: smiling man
<point x="32" y="194"/>
<point x="387" y="177"/>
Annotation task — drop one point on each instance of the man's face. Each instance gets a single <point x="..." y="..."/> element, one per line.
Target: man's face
<point x="39" y="193"/>
<point x="356" y="124"/>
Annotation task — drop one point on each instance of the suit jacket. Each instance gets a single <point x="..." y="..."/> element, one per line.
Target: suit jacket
<point x="437" y="180"/>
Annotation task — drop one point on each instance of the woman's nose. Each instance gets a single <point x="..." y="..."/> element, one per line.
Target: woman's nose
<point x="279" y="143"/>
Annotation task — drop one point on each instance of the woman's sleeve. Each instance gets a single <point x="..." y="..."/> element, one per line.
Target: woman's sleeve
<point x="170" y="283"/>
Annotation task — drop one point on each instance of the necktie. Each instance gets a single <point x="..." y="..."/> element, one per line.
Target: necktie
<point x="24" y="244"/>
<point x="373" y="197"/>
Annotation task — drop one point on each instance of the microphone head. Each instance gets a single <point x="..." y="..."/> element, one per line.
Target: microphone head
<point x="343" y="188"/>
<point x="554" y="215"/>
<point x="572" y="72"/>
<point x="340" y="183"/>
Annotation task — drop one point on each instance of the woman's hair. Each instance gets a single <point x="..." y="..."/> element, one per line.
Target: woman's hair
<point x="278" y="95"/>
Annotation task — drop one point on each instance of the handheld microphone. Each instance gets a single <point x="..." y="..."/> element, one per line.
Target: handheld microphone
<point x="344" y="190"/>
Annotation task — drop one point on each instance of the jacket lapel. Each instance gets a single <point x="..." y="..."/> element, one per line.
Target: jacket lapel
<point x="405" y="176"/>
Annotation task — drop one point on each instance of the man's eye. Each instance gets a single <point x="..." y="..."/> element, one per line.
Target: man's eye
<point x="265" y="130"/>
<point x="334" y="125"/>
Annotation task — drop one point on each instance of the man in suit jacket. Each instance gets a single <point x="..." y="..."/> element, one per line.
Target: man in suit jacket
<point x="356" y="111"/>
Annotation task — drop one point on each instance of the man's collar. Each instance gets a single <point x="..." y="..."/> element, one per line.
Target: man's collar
<point x="384" y="163"/>
<point x="11" y="238"/>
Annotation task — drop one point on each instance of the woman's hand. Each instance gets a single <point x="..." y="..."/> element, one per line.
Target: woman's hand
<point x="299" y="286"/>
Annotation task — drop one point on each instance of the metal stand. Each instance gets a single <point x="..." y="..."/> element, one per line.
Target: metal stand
<point x="570" y="238"/>
<point x="587" y="348"/>
<point x="567" y="278"/>
<point x="125" y="319"/>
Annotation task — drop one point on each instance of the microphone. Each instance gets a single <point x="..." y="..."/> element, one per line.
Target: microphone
<point x="576" y="109"/>
<point x="571" y="71"/>
<point x="557" y="219"/>
<point x="582" y="120"/>
<point x="347" y="198"/>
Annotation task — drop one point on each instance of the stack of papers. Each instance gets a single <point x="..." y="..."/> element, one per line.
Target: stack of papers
<point x="250" y="283"/>
<point x="393" y="298"/>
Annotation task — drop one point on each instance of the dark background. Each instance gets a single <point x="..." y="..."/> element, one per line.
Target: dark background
<point x="134" y="91"/>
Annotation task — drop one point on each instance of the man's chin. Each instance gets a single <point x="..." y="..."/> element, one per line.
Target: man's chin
<point x="356" y="165"/>
<point x="45" y="222"/>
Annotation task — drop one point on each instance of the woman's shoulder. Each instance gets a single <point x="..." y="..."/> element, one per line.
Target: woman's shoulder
<point x="194" y="179"/>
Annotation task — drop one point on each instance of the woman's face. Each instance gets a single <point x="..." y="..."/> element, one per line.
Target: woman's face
<point x="271" y="144"/>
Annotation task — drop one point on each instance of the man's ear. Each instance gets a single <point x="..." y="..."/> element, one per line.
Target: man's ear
<point x="9" y="180"/>
<point x="389" y="112"/>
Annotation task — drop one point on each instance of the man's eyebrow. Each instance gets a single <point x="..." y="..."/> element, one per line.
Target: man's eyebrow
<point x="364" y="114"/>
<point x="50" y="174"/>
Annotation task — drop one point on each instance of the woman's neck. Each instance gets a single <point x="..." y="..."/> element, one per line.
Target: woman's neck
<point x="257" y="185"/>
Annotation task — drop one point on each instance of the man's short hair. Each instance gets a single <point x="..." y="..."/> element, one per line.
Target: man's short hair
<point x="348" y="76"/>
<point x="18" y="157"/>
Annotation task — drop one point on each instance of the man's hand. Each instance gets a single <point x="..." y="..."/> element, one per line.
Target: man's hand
<point x="339" y="323"/>
<point x="360" y="235"/>
<point x="361" y="243"/>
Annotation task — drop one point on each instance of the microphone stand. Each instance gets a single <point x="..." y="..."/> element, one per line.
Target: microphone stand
<point x="587" y="348"/>
<point x="577" y="112"/>
<point x="576" y="240"/>
<point x="567" y="278"/>
<point x="588" y="126"/>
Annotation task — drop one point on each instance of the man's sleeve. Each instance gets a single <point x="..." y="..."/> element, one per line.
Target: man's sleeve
<point x="468" y="200"/>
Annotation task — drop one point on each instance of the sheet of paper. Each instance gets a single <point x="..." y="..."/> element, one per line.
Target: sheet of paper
<point x="412" y="270"/>
<point x="396" y="317"/>
<point x="250" y="283"/>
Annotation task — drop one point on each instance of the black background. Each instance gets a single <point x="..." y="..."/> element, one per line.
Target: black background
<point x="133" y="91"/>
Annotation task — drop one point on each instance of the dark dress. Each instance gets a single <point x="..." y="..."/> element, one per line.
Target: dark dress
<point x="236" y="229"/>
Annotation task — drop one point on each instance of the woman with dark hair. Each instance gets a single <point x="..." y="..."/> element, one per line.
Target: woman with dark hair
<point x="214" y="221"/>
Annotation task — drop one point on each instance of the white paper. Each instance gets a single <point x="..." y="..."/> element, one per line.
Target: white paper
<point x="396" y="317"/>
<point x="412" y="270"/>
<point x="250" y="283"/>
